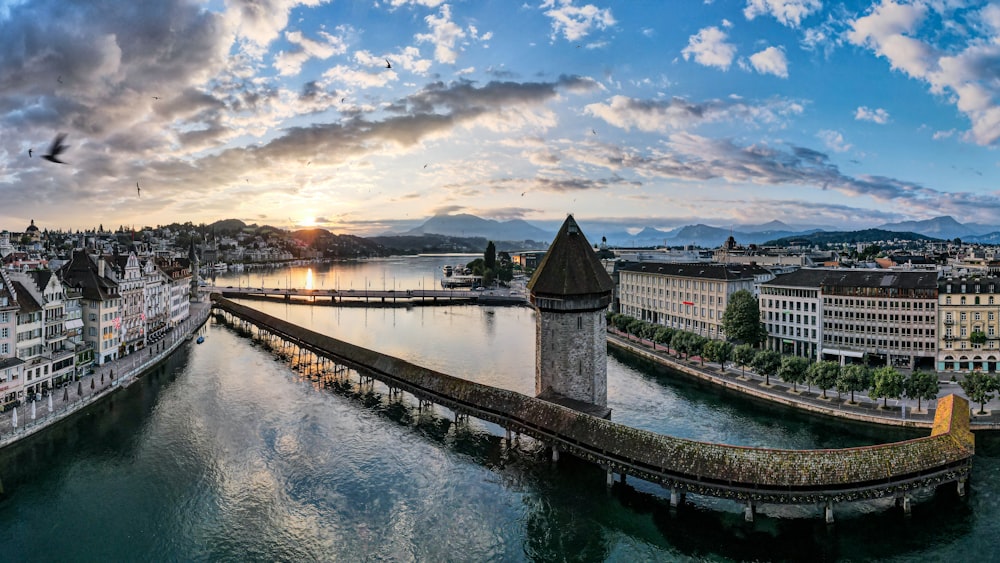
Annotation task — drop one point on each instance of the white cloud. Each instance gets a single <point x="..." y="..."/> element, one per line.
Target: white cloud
<point x="726" y="23"/>
<point x="678" y="113"/>
<point x="770" y="61"/>
<point x="964" y="73"/>
<point x="576" y="22"/>
<point x="938" y="135"/>
<point x="444" y="33"/>
<point x="709" y="48"/>
<point x="788" y="12"/>
<point x="290" y="63"/>
<point x="834" y="140"/>
<point x="877" y="115"/>
<point x="341" y="75"/>
<point x="427" y="3"/>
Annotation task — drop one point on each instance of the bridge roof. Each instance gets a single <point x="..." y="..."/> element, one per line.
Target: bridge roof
<point x="570" y="267"/>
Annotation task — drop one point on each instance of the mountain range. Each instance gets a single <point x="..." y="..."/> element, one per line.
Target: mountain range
<point x="465" y="225"/>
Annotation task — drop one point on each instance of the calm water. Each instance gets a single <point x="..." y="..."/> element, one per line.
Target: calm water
<point x="226" y="454"/>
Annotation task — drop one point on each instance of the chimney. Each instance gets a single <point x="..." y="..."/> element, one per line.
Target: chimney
<point x="100" y="266"/>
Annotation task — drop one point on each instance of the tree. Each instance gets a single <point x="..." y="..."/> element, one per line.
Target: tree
<point x="663" y="335"/>
<point x="490" y="256"/>
<point x="823" y="375"/>
<point x="718" y="351"/>
<point x="622" y="323"/>
<point x="741" y="321"/>
<point x="853" y="377"/>
<point x="922" y="385"/>
<point x="977" y="337"/>
<point x="697" y="346"/>
<point x="793" y="370"/>
<point x="980" y="388"/>
<point x="887" y="383"/>
<point x="743" y="355"/>
<point x="634" y="327"/>
<point x="679" y="342"/>
<point x="766" y="363"/>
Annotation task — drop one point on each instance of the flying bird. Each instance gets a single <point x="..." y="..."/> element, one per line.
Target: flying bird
<point x="594" y="131"/>
<point x="425" y="166"/>
<point x="388" y="64"/>
<point x="29" y="152"/>
<point x="138" y="192"/>
<point x="156" y="97"/>
<point x="59" y="79"/>
<point x="55" y="149"/>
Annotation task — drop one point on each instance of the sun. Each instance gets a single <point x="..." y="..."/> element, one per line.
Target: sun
<point x="308" y="222"/>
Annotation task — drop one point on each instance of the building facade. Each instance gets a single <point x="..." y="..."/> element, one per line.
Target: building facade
<point x="690" y="297"/>
<point x="874" y="316"/>
<point x="969" y="323"/>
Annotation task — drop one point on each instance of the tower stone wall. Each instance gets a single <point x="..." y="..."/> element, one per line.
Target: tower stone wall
<point x="571" y="356"/>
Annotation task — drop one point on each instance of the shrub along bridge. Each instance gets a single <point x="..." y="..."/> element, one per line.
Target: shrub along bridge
<point x="753" y="476"/>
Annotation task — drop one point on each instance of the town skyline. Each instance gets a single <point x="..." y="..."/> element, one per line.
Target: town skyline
<point x="365" y="118"/>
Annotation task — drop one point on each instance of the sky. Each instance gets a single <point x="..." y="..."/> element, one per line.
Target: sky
<point x="370" y="117"/>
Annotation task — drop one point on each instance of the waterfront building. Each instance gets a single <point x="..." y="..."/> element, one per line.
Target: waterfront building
<point x="178" y="271"/>
<point x="52" y="363"/>
<point x="969" y="323"/>
<point x="570" y="291"/>
<point x="690" y="297"/>
<point x="156" y="299"/>
<point x="791" y="310"/>
<point x="100" y="302"/>
<point x="883" y="317"/>
<point x="128" y="274"/>
<point x="11" y="379"/>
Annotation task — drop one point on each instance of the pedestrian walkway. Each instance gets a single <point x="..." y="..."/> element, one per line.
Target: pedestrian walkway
<point x="32" y="416"/>
<point x="897" y="412"/>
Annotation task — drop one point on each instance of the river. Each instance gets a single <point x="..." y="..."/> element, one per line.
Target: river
<point x="226" y="454"/>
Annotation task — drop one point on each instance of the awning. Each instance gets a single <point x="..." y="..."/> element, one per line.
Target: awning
<point x="74" y="323"/>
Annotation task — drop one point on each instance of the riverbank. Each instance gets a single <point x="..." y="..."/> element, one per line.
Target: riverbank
<point x="90" y="389"/>
<point x="863" y="409"/>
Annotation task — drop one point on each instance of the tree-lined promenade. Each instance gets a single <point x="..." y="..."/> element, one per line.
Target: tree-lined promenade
<point x="855" y="387"/>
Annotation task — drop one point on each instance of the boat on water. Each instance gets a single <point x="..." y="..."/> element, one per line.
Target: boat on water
<point x="220" y="267"/>
<point x="448" y="270"/>
<point x="200" y="339"/>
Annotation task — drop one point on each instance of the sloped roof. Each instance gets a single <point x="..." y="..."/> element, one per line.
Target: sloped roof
<point x="81" y="272"/>
<point x="816" y="278"/>
<point x="41" y="278"/>
<point x="698" y="270"/>
<point x="25" y="299"/>
<point x="571" y="266"/>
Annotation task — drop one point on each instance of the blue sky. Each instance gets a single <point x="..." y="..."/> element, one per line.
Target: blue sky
<point x="726" y="112"/>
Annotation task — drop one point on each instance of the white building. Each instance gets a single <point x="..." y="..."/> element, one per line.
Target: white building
<point x="690" y="297"/>
<point x="101" y="302"/>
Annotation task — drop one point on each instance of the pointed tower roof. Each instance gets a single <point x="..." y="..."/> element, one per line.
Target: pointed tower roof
<point x="570" y="267"/>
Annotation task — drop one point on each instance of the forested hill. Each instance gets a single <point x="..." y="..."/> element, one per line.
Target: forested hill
<point x="824" y="238"/>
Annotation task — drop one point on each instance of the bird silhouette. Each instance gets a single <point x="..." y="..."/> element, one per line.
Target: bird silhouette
<point x="29" y="152"/>
<point x="522" y="194"/>
<point x="388" y="64"/>
<point x="156" y="97"/>
<point x="342" y="100"/>
<point x="55" y="149"/>
<point x="59" y="79"/>
<point x="594" y="131"/>
<point x="425" y="166"/>
<point x="138" y="192"/>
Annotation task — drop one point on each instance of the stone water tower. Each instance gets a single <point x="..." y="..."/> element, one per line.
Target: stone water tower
<point x="571" y="291"/>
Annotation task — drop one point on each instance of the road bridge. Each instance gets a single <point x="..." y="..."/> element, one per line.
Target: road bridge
<point x="753" y="476"/>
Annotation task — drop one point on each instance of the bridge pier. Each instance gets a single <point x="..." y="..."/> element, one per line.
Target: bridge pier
<point x="677" y="497"/>
<point x="828" y="512"/>
<point x="903" y="501"/>
<point x="961" y="486"/>
<point x="611" y="477"/>
<point x="749" y="511"/>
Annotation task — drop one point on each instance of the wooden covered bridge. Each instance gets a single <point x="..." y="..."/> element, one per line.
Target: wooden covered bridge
<point x="752" y="476"/>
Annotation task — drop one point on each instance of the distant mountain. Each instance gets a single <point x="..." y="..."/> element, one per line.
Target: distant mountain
<point x="465" y="225"/>
<point x="823" y="238"/>
<point x="340" y="246"/>
<point x="988" y="238"/>
<point x="945" y="227"/>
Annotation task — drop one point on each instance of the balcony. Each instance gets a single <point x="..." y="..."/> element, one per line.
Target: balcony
<point x="948" y="322"/>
